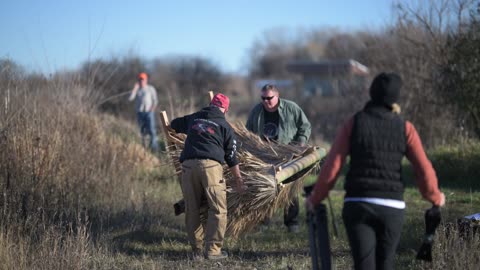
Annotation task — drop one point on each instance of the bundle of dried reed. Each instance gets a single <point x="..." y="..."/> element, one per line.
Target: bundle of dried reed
<point x="260" y="163"/>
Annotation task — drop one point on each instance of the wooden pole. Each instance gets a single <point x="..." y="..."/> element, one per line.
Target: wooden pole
<point x="166" y="130"/>
<point x="287" y="170"/>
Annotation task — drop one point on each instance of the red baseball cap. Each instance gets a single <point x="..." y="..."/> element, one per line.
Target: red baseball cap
<point x="220" y="100"/>
<point x="142" y="76"/>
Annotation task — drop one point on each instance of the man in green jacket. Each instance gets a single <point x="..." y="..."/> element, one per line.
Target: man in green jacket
<point x="282" y="121"/>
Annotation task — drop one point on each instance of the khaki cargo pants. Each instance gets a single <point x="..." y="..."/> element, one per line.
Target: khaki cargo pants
<point x="202" y="180"/>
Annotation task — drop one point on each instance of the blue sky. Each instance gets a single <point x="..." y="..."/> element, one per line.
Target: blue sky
<point x="48" y="35"/>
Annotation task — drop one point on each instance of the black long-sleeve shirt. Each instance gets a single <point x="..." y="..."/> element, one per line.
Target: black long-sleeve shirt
<point x="209" y="136"/>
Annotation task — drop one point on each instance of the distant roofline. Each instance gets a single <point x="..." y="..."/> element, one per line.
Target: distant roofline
<point x="259" y="83"/>
<point x="328" y="67"/>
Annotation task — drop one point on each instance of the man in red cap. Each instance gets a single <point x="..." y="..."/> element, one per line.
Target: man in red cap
<point x="210" y="142"/>
<point x="146" y="101"/>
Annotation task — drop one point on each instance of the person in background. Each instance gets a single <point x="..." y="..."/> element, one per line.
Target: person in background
<point x="210" y="142"/>
<point x="146" y="101"/>
<point x="376" y="139"/>
<point x="282" y="121"/>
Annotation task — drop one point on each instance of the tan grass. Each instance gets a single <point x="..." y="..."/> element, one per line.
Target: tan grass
<point x="455" y="249"/>
<point x="58" y="159"/>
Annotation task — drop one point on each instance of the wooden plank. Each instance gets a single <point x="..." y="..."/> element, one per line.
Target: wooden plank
<point x="164" y="118"/>
<point x="169" y="140"/>
<point x="166" y="127"/>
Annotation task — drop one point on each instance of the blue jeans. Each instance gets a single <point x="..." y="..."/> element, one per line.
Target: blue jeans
<point x="146" y="122"/>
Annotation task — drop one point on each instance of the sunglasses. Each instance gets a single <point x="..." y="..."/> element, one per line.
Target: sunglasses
<point x="267" y="98"/>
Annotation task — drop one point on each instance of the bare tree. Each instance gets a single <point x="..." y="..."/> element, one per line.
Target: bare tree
<point x="420" y="47"/>
<point x="460" y="77"/>
<point x="185" y="81"/>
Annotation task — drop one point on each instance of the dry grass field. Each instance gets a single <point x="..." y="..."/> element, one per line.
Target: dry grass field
<point x="77" y="191"/>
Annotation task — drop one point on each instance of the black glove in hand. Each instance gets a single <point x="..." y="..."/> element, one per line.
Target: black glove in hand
<point x="432" y="220"/>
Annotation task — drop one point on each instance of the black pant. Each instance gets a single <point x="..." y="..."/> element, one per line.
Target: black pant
<point x="290" y="213"/>
<point x="373" y="233"/>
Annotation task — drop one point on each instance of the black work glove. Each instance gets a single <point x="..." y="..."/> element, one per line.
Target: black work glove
<point x="432" y="220"/>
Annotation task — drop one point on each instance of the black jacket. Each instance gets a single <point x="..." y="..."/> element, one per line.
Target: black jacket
<point x="209" y="136"/>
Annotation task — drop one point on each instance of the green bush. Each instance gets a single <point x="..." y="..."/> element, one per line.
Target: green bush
<point x="458" y="166"/>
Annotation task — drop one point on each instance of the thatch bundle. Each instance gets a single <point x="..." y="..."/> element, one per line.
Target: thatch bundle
<point x="260" y="161"/>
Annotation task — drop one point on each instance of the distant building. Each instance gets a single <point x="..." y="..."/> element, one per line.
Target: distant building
<point x="330" y="77"/>
<point x="258" y="84"/>
<point x="287" y="87"/>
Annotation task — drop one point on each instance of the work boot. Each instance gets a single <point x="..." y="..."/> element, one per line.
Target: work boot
<point x="222" y="255"/>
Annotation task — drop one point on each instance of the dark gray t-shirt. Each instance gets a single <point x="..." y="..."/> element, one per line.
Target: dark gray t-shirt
<point x="270" y="128"/>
